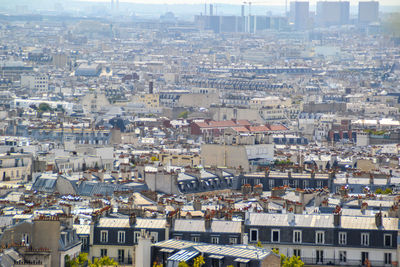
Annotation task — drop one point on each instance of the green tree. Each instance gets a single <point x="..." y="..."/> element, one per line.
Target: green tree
<point x="183" y="114"/>
<point x="199" y="261"/>
<point x="105" y="261"/>
<point x="388" y="191"/>
<point x="44" y="107"/>
<point x="379" y="191"/>
<point x="289" y="261"/>
<point x="293" y="262"/>
<point x="79" y="261"/>
<point x="183" y="264"/>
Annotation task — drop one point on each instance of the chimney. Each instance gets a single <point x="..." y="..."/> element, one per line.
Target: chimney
<point x="266" y="172"/>
<point x="291" y="218"/>
<point x="364" y="207"/>
<point x="197" y="205"/>
<point x="207" y="222"/>
<point x="264" y="204"/>
<point x="337" y="215"/>
<point x="151" y="89"/>
<point x="132" y="219"/>
<point x="170" y="221"/>
<point x="100" y="174"/>
<point x="247" y="217"/>
<point x="161" y="207"/>
<point x="245" y="239"/>
<point x="378" y="219"/>
<point x="143" y="250"/>
<point x="87" y="175"/>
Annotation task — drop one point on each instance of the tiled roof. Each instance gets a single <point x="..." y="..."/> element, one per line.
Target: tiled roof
<point x="277" y="127"/>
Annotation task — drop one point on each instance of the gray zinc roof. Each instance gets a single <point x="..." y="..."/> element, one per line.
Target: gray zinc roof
<point x="217" y="226"/>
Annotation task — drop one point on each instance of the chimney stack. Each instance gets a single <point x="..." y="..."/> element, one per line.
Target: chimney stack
<point x="132" y="219"/>
<point x="197" y="205"/>
<point x="207" y="222"/>
<point x="378" y="219"/>
<point x="291" y="218"/>
<point x="337" y="215"/>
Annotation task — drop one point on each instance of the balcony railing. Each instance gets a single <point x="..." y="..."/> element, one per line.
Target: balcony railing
<point x="347" y="262"/>
<point x="123" y="261"/>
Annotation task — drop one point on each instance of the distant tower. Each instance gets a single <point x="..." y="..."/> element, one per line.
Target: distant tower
<point x="242" y="10"/>
<point x="117" y="5"/>
<point x="299" y="14"/>
<point x="211" y="10"/>
<point x="368" y="12"/>
<point x="331" y="13"/>
<point x="112" y="5"/>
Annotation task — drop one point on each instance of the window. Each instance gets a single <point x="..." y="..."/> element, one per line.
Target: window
<point x="271" y="183"/>
<point x="320" y="237"/>
<point x="121" y="236"/>
<point x="178" y="237"/>
<point x="342" y="238"/>
<point x="214" y="240"/>
<point x="365" y="239"/>
<point x="84" y="242"/>
<point x="253" y="235"/>
<point x="136" y="237"/>
<point x="196" y="238"/>
<point x="387" y="240"/>
<point x="319" y="184"/>
<point x="297" y="252"/>
<point x="320" y="256"/>
<point x="103" y="252"/>
<point x="244" y="181"/>
<point x="104" y="236"/>
<point x="342" y="256"/>
<point x="364" y="257"/>
<point x="121" y="255"/>
<point x="285" y="182"/>
<point x="388" y="258"/>
<point x="25" y="238"/>
<point x="296" y="236"/>
<point x="275" y="236"/>
<point x="232" y="240"/>
<point x="256" y="181"/>
<point x="305" y="183"/>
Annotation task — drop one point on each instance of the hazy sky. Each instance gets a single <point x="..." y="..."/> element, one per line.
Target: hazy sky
<point x="261" y="2"/>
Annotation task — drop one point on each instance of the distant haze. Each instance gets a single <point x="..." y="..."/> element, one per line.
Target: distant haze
<point x="238" y="2"/>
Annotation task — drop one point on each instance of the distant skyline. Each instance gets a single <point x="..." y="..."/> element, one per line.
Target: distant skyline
<point x="237" y="2"/>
